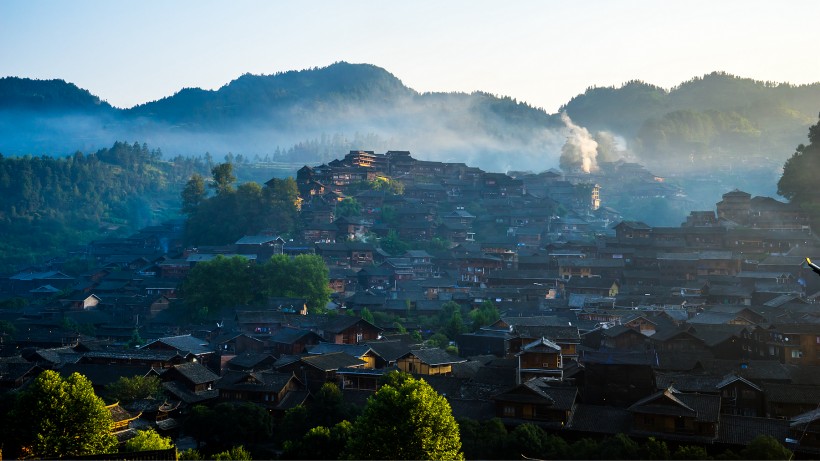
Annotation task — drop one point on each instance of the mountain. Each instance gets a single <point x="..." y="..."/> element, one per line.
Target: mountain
<point x="715" y="121"/>
<point x="47" y="95"/>
<point x="258" y="114"/>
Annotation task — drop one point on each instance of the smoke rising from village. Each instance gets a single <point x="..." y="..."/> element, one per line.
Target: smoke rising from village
<point x="580" y="152"/>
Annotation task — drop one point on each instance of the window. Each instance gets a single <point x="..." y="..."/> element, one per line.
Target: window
<point x="796" y="354"/>
<point x="509" y="411"/>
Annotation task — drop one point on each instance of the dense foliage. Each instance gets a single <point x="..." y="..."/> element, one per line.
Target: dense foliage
<point x="224" y="282"/>
<point x="405" y="419"/>
<point x="232" y="212"/>
<point x="59" y="418"/>
<point x="801" y="174"/>
<point x="147" y="440"/>
<point x="128" y="389"/>
<point x="52" y="204"/>
<point x="716" y="113"/>
<point x="490" y="439"/>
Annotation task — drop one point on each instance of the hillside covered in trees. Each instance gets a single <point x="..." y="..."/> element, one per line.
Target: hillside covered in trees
<point x="53" y="204"/>
<point x="708" y="121"/>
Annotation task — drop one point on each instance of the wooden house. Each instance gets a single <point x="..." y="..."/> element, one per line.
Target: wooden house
<point x="267" y="388"/>
<point x="316" y="370"/>
<point x="739" y="396"/>
<point x="190" y="382"/>
<point x="536" y="401"/>
<point x="540" y="359"/>
<point x="432" y="361"/>
<point x="672" y="414"/>
<point x="291" y="341"/>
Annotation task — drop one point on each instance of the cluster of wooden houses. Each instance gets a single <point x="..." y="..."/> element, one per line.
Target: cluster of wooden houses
<point x="704" y="333"/>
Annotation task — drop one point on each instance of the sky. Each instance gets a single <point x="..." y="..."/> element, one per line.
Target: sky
<point x="541" y="52"/>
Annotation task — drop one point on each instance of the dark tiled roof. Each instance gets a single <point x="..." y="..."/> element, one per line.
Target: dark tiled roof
<point x="740" y="430"/>
<point x="185" y="395"/>
<point x="261" y="381"/>
<point x="356" y="350"/>
<point x="436" y="356"/>
<point x="600" y="419"/>
<point x="292" y="399"/>
<point x="702" y="407"/>
<point x="332" y="361"/>
<point x="790" y="393"/>
<point x="185" y="343"/>
<point x="687" y="382"/>
<point x="390" y="350"/>
<point x="194" y="372"/>
<point x="478" y="410"/>
<point x="249" y="360"/>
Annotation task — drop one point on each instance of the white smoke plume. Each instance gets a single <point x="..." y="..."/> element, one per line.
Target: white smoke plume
<point x="581" y="150"/>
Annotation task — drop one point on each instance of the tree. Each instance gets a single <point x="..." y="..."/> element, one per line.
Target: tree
<point x="218" y="283"/>
<point x="367" y="315"/>
<point x="193" y="194"/>
<point x="223" y="178"/>
<point x="229" y="423"/>
<point x="765" y="447"/>
<point x="127" y="389"/>
<point x="405" y="419"/>
<point x="486" y="314"/>
<point x="305" y="276"/>
<point x="320" y="442"/>
<point x="348" y="207"/>
<point x="58" y="418"/>
<point x="235" y="453"/>
<point x="800" y="172"/>
<point x="147" y="440"/>
<point x="393" y="245"/>
<point x="690" y="452"/>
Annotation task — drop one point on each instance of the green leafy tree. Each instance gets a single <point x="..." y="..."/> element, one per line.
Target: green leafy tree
<point x="191" y="454"/>
<point x="693" y="452"/>
<point x="7" y="327"/>
<point x="234" y="453"/>
<point x="147" y="440"/>
<point x="320" y="442"/>
<point x="219" y="283"/>
<point x="136" y="340"/>
<point x="800" y="172"/>
<point x="765" y="447"/>
<point x="129" y="389"/>
<point x="63" y="418"/>
<point x="193" y="194"/>
<point x="526" y="440"/>
<point x="367" y="315"/>
<point x="619" y="446"/>
<point x="229" y="423"/>
<point x="405" y="419"/>
<point x="483" y="439"/>
<point x="654" y="449"/>
<point x="393" y="245"/>
<point x="223" y="178"/>
<point x="485" y="315"/>
<point x="348" y="207"/>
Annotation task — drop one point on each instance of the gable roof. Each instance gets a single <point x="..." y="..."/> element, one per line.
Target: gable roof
<point x="332" y="361"/>
<point x="670" y="401"/>
<point x="435" y="356"/>
<point x="194" y="372"/>
<point x="184" y="343"/>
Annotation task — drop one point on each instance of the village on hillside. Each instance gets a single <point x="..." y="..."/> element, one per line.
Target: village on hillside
<point x="705" y="333"/>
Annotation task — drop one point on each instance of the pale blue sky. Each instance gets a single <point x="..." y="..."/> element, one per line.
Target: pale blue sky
<point x="542" y="52"/>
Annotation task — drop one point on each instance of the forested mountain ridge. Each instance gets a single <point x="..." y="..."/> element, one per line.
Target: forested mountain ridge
<point x="47" y="95"/>
<point x="709" y="120"/>
<point x="717" y="114"/>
